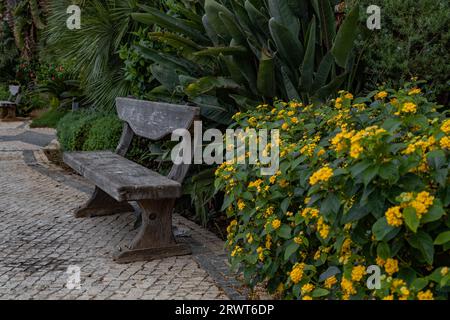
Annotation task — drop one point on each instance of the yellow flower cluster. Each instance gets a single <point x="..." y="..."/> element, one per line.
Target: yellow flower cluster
<point x="409" y="107"/>
<point x="307" y="288"/>
<point x="421" y="203"/>
<point x="256" y="184"/>
<point x="358" y="273"/>
<point x="276" y="224"/>
<point x="414" y="91"/>
<point x="323" y="174"/>
<point x="330" y="282"/>
<point x="237" y="250"/>
<point x="423" y="144"/>
<point x="241" y="204"/>
<point x="381" y="95"/>
<point x="446" y="126"/>
<point x="340" y="141"/>
<point x="394" y="216"/>
<point x="347" y="287"/>
<point x="260" y="252"/>
<point x="391" y="266"/>
<point x="346" y="251"/>
<point x="445" y="143"/>
<point x="296" y="273"/>
<point x="427" y="295"/>
<point x="323" y="228"/>
<point x="309" y="213"/>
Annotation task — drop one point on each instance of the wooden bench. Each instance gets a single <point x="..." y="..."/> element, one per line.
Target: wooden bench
<point x="8" y="108"/>
<point x="119" y="180"/>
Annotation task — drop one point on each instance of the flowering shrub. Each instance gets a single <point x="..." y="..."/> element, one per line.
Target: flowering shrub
<point x="361" y="182"/>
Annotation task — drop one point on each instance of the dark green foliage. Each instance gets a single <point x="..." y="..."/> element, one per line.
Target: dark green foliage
<point x="229" y="55"/>
<point x="414" y="41"/>
<point x="73" y="129"/>
<point x="104" y="134"/>
<point x="49" y="119"/>
<point x="93" y="49"/>
<point x="89" y="130"/>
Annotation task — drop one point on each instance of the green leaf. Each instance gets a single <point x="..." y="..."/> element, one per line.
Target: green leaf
<point x="308" y="61"/>
<point x="419" y="283"/>
<point x="436" y="159"/>
<point x="282" y="13"/>
<point x="369" y="174"/>
<point x="345" y="38"/>
<point x="423" y="242"/>
<point x="331" y="271"/>
<point x="381" y="228"/>
<point x="285" y="204"/>
<point x="216" y="51"/>
<point x="442" y="238"/>
<point x="433" y="214"/>
<point x="411" y="219"/>
<point x="389" y="171"/>
<point x="290" y="249"/>
<point x="356" y="169"/>
<point x="284" y="231"/>
<point x="327" y="23"/>
<point x="154" y="16"/>
<point x="289" y="47"/>
<point x="355" y="213"/>
<point x="320" y="292"/>
<point x="266" y="75"/>
<point x="383" y="250"/>
<point x="323" y="71"/>
<point x="330" y="206"/>
<point x="212" y="11"/>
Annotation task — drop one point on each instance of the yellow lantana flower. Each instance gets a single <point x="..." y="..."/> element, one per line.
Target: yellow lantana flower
<point x="323" y="174"/>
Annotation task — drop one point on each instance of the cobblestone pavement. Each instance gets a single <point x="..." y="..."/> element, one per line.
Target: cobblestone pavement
<point x="40" y="238"/>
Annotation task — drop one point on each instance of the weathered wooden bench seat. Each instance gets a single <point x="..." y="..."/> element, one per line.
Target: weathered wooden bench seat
<point x="119" y="180"/>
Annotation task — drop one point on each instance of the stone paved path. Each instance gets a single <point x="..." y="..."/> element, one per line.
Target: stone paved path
<point x="40" y="239"/>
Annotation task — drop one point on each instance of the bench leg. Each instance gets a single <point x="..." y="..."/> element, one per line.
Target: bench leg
<point x="101" y="204"/>
<point x="155" y="239"/>
<point x="11" y="113"/>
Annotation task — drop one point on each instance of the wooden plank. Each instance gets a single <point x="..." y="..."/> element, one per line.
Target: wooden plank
<point x="154" y="120"/>
<point x="121" y="178"/>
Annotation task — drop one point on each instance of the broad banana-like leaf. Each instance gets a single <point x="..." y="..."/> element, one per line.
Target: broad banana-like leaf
<point x="213" y="9"/>
<point x="323" y="71"/>
<point x="233" y="29"/>
<point x="210" y="32"/>
<point x="345" y="38"/>
<point x="266" y="75"/>
<point x="212" y="108"/>
<point x="167" y="60"/>
<point x="207" y="84"/>
<point x="282" y="13"/>
<point x="327" y="23"/>
<point x="308" y="61"/>
<point x="227" y="51"/>
<point x="154" y="16"/>
<point x="289" y="47"/>
<point x="168" y="77"/>
<point x="291" y="91"/>
<point x="175" y="40"/>
<point x="257" y="18"/>
<point x="244" y="102"/>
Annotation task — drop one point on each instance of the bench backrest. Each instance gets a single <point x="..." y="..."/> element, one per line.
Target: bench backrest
<point x="14" y="92"/>
<point x="154" y="121"/>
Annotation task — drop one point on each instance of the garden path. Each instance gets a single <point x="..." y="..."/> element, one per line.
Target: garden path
<point x="40" y="238"/>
